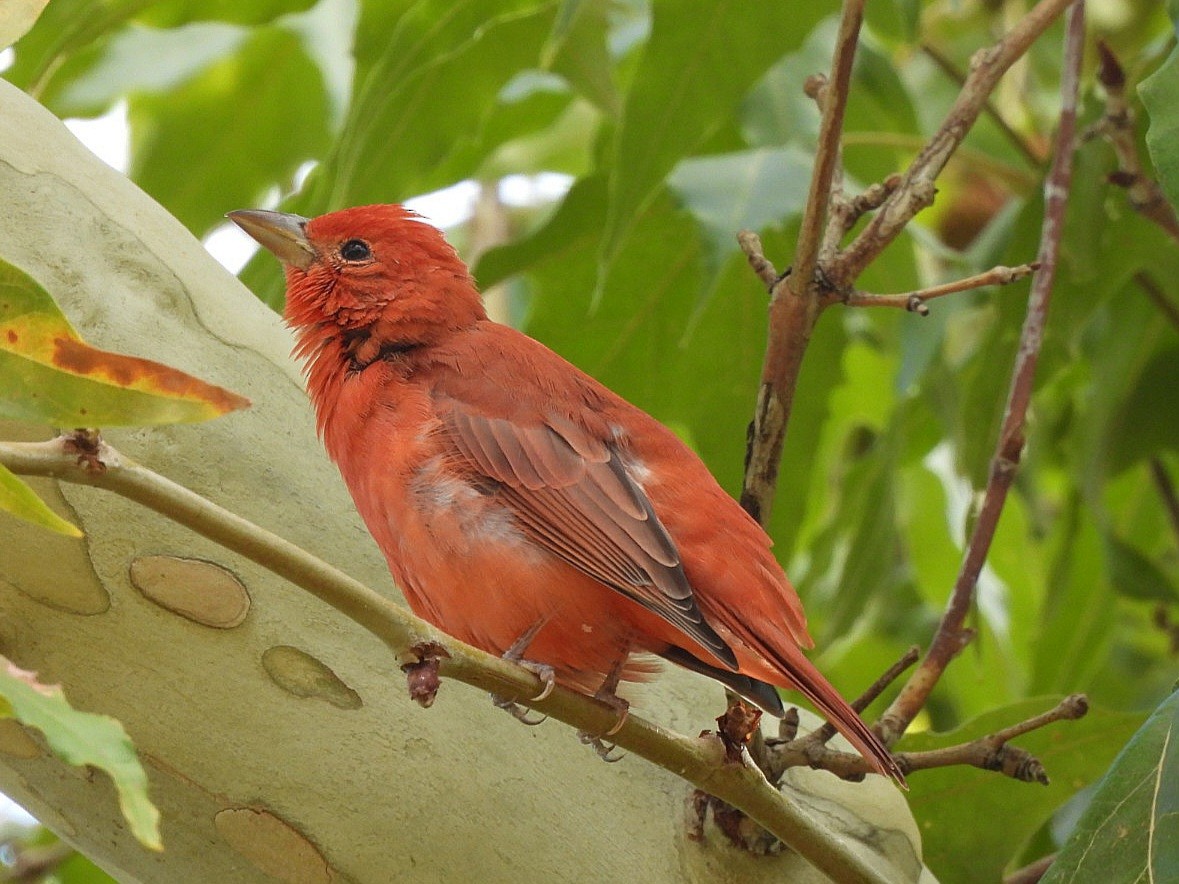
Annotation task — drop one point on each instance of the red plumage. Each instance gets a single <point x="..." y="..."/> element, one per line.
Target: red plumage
<point x="505" y="486"/>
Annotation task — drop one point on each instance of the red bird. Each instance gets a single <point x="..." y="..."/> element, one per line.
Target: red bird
<point x="520" y="504"/>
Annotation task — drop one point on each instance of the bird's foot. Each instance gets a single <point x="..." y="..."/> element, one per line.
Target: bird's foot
<point x="607" y="694"/>
<point x="546" y="674"/>
<point x="603" y="749"/>
<point x="518" y="712"/>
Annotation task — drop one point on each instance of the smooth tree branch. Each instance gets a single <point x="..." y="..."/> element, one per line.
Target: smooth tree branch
<point x="85" y="459"/>
<point x="917" y="190"/>
<point x="915" y="301"/>
<point x="951" y="635"/>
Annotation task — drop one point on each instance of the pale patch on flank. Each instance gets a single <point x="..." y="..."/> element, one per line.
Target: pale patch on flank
<point x="480" y="518"/>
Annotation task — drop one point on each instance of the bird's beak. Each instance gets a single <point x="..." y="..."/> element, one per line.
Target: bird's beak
<point x="281" y="233"/>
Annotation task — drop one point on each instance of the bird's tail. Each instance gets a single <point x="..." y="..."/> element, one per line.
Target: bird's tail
<point x="788" y="666"/>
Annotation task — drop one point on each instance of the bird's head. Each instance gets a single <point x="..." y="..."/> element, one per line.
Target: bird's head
<point x="375" y="276"/>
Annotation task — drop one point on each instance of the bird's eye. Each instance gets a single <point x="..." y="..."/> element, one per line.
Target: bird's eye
<point x="355" y="250"/>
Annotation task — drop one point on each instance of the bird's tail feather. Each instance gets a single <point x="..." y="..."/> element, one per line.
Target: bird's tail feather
<point x="757" y="692"/>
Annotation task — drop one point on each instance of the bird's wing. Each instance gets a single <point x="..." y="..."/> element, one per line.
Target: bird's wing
<point x="572" y="495"/>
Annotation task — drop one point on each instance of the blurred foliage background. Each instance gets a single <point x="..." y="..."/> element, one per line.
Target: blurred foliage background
<point x="673" y="125"/>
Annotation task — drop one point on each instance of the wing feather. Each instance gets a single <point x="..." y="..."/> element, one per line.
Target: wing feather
<point x="572" y="495"/>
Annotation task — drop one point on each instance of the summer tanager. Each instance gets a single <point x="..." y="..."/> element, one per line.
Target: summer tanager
<point x="516" y="499"/>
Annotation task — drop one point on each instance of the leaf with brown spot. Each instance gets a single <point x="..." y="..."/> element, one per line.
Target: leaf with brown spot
<point x="50" y="375"/>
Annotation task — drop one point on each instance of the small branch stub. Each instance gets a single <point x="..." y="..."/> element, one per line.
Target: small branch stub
<point x="736" y="727"/>
<point x="422" y="677"/>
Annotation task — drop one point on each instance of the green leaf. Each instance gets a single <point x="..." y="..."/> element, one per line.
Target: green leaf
<point x="1134" y="575"/>
<point x="573" y="227"/>
<point x="689" y="85"/>
<point x="410" y="63"/>
<point x="170" y="13"/>
<point x="19" y="499"/>
<point x="1160" y="96"/>
<point x="395" y="141"/>
<point x="1130" y="831"/>
<point x="1075" y="626"/>
<point x="50" y="375"/>
<point x="950" y="802"/>
<point x="83" y="738"/>
<point x="578" y="50"/>
<point x="140" y="60"/>
<point x="744" y="190"/>
<point x="64" y="29"/>
<point x="247" y="122"/>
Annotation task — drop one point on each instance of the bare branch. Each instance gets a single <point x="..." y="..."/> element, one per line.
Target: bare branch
<point x="1155" y="292"/>
<point x="1033" y="157"/>
<point x="33" y="863"/>
<point x="750" y="244"/>
<point x="824" y="733"/>
<point x="1117" y="126"/>
<point x="832" y="98"/>
<point x="844" y="214"/>
<point x="951" y="636"/>
<point x="917" y="189"/>
<point x="993" y="752"/>
<point x="794" y="302"/>
<point x="914" y="301"/>
<point x="1166" y="489"/>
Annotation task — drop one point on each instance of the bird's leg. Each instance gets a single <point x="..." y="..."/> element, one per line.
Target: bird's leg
<point x="608" y="694"/>
<point x="541" y="670"/>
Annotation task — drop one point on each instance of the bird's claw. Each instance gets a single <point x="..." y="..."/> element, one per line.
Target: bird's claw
<point x="601" y="747"/>
<point x="546" y="674"/>
<point x="518" y="712"/>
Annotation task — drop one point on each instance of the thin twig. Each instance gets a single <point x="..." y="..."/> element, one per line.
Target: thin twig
<point x="1155" y="292"/>
<point x="750" y="244"/>
<point x="917" y="190"/>
<point x="844" y="213"/>
<point x="32" y="863"/>
<point x="1032" y="872"/>
<point x="1117" y="126"/>
<point x="992" y="752"/>
<point x="1166" y="489"/>
<point x="697" y="760"/>
<point x="794" y="302"/>
<point x="951" y="637"/>
<point x="947" y="67"/>
<point x="825" y="732"/>
<point x="914" y="301"/>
